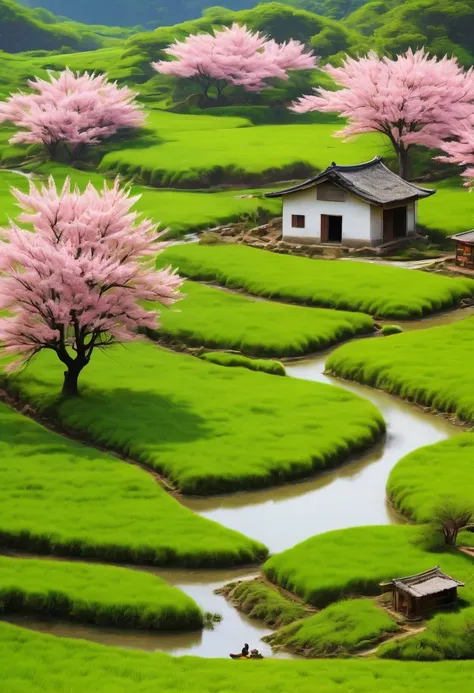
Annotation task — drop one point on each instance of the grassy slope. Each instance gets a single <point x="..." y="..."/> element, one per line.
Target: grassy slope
<point x="33" y="663"/>
<point x="419" y="482"/>
<point x="337" y="564"/>
<point x="450" y="211"/>
<point x="342" y="628"/>
<point x="208" y="428"/>
<point x="60" y="497"/>
<point x="264" y="603"/>
<point x="218" y="319"/>
<point x="388" y="292"/>
<point x="239" y="361"/>
<point x="202" y="158"/>
<point x="100" y="595"/>
<point x="432" y="367"/>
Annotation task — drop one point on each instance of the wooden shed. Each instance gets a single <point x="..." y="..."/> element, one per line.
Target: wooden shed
<point x="464" y="249"/>
<point x="417" y="595"/>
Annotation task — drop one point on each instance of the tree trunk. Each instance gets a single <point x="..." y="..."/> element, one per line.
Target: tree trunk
<point x="403" y="163"/>
<point x="70" y="388"/>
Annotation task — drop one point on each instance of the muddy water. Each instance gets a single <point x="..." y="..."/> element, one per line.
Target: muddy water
<point x="281" y="517"/>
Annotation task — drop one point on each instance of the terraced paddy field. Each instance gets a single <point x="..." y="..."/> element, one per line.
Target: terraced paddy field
<point x="222" y="320"/>
<point x="433" y="367"/>
<point x="184" y="417"/>
<point x="58" y="496"/>
<point x="94" y="594"/>
<point x="386" y="292"/>
<point x="68" y="666"/>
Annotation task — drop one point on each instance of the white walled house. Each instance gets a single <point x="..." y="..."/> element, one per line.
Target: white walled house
<point x="361" y="205"/>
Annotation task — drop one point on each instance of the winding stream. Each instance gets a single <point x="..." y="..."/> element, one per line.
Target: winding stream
<point x="280" y="517"/>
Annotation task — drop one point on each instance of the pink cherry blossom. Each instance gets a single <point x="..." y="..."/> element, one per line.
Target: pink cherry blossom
<point x="234" y="56"/>
<point x="460" y="150"/>
<point x="79" y="281"/>
<point x="72" y="110"/>
<point x="413" y="99"/>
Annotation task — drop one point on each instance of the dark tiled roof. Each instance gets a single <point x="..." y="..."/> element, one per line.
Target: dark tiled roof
<point x="466" y="237"/>
<point x="430" y="582"/>
<point x="372" y="181"/>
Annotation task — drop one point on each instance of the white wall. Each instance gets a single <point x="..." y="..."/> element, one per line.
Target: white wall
<point x="411" y="218"/>
<point x="376" y="224"/>
<point x="356" y="220"/>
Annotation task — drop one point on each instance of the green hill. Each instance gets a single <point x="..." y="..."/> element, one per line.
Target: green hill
<point x="23" y="29"/>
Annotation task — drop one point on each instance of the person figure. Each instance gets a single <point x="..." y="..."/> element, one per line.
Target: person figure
<point x="245" y="650"/>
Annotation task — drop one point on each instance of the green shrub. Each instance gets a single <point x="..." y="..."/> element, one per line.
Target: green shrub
<point x="60" y="497"/>
<point x="341" y="628"/>
<point x="349" y="562"/>
<point x="447" y="636"/>
<point x="420" y="482"/>
<point x="259" y="601"/>
<point x="389" y="292"/>
<point x="210" y="238"/>
<point x="94" y="594"/>
<point x="219" y="319"/>
<point x="387" y="330"/>
<point x="432" y="367"/>
<point x="237" y="361"/>
<point x="31" y="662"/>
<point x="185" y="417"/>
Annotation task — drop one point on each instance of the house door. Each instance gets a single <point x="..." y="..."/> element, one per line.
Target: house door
<point x="394" y="223"/>
<point x="331" y="228"/>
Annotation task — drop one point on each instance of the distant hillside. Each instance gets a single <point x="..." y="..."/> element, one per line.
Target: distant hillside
<point x="23" y="29"/>
<point x="443" y="26"/>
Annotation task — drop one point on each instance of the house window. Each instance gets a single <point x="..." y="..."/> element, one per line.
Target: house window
<point x="298" y="221"/>
<point x="330" y="193"/>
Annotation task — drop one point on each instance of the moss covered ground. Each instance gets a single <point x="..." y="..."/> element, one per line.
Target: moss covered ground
<point x="259" y="601"/>
<point x="388" y="292"/>
<point x="222" y="320"/>
<point x="35" y="663"/>
<point x="207" y="428"/>
<point x="340" y="629"/>
<point x="94" y="594"/>
<point x="61" y="497"/>
<point x="330" y="566"/>
<point x="432" y="367"/>
<point x="238" y="361"/>
<point x="423" y="479"/>
<point x="447" y="212"/>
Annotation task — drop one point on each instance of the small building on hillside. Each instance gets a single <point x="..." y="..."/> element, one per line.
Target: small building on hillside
<point x="418" y="595"/>
<point x="464" y="249"/>
<point x="361" y="205"/>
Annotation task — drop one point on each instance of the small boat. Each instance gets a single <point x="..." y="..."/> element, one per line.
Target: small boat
<point x="254" y="654"/>
<point x="239" y="656"/>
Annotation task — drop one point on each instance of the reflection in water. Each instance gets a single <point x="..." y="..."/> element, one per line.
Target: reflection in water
<point x="349" y="496"/>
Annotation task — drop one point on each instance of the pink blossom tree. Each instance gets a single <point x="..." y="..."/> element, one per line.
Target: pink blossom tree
<point x="414" y="99"/>
<point x="234" y="56"/>
<point x="460" y="151"/>
<point x="78" y="282"/>
<point x="71" y="111"/>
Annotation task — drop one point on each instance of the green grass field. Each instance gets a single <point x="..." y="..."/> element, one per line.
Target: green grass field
<point x="227" y="153"/>
<point x="259" y="601"/>
<point x="60" y="497"/>
<point x="432" y="367"/>
<point x="450" y="211"/>
<point x="447" y="636"/>
<point x="220" y="320"/>
<point x="330" y="566"/>
<point x="35" y="663"/>
<point x="94" y="594"/>
<point x="422" y="479"/>
<point x="340" y="629"/>
<point x="388" y="292"/>
<point x="238" y="361"/>
<point x="207" y="428"/>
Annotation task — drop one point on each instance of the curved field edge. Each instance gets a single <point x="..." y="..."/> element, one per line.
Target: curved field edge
<point x="386" y="292"/>
<point x="31" y="662"/>
<point x="197" y="423"/>
<point x="432" y="367"/>
<point x="422" y="480"/>
<point x="343" y="628"/>
<point x="255" y="328"/>
<point x="239" y="361"/>
<point x="94" y="594"/>
<point x="60" y="497"/>
<point x="355" y="561"/>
